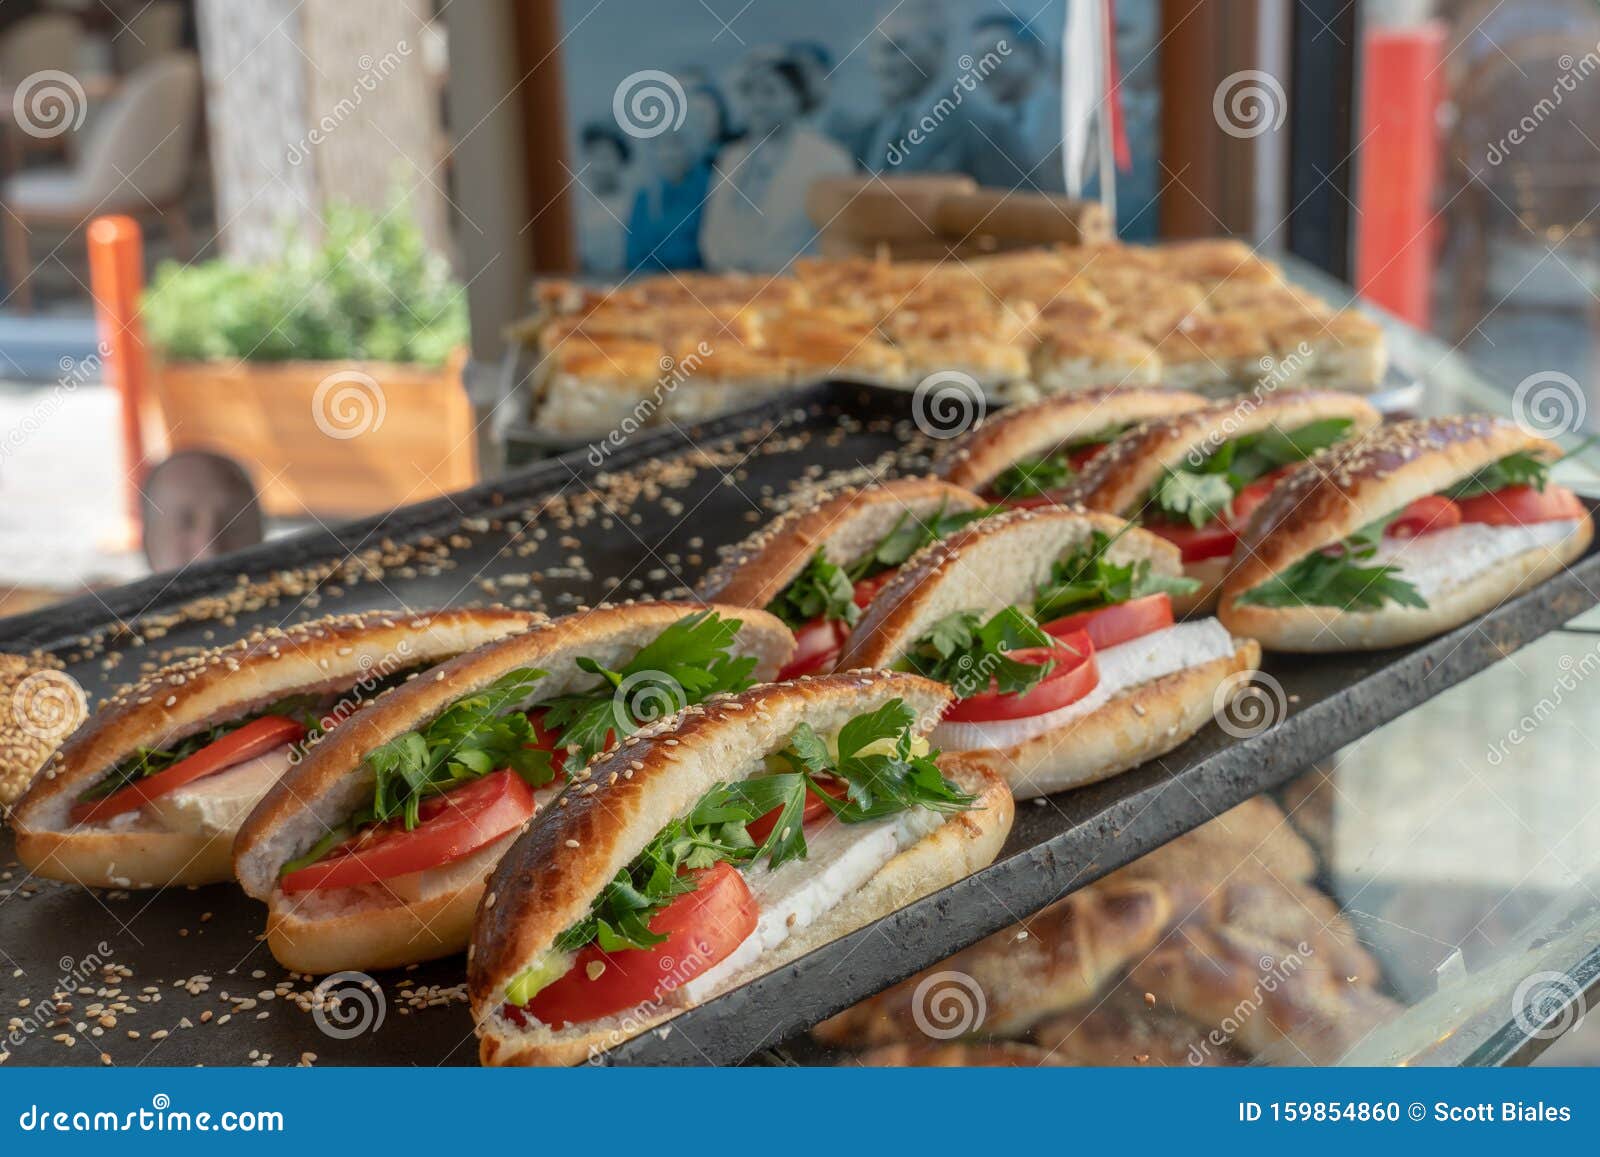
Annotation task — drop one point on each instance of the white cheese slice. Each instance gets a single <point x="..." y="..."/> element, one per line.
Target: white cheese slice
<point x="840" y="859"/>
<point x="1127" y="665"/>
<point x="217" y="804"/>
<point x="1437" y="563"/>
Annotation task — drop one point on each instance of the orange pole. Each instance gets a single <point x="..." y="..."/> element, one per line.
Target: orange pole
<point x="116" y="279"/>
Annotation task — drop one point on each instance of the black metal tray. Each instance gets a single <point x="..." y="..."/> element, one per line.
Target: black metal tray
<point x="651" y="544"/>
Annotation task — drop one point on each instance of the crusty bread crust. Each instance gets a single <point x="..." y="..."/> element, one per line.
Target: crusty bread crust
<point x="1325" y="629"/>
<point x="1139" y="725"/>
<point x="332" y="653"/>
<point x="1119" y="478"/>
<point x="994" y="563"/>
<point x="556" y="868"/>
<point x="845" y="522"/>
<point x="378" y="928"/>
<point x="1043" y="428"/>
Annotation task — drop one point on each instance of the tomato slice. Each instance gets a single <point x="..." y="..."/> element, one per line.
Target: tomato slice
<point x="257" y="737"/>
<point x="816" y="646"/>
<point x="453" y="825"/>
<point x="761" y="827"/>
<point x="1427" y="514"/>
<point x="702" y="928"/>
<point x="546" y="738"/>
<point x="1108" y="626"/>
<point x="867" y="589"/>
<point x="1216" y="539"/>
<point x="1073" y="677"/>
<point x="1522" y="505"/>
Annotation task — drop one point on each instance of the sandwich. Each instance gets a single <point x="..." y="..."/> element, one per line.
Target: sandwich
<point x="150" y="791"/>
<point x="372" y="852"/>
<point x="1410" y="532"/>
<point x="1055" y="630"/>
<point x="816" y="565"/>
<point x="1194" y="478"/>
<point x="1031" y="455"/>
<point x="714" y="847"/>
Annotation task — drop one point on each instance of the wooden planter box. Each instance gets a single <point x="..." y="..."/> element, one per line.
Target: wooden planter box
<point x="326" y="438"/>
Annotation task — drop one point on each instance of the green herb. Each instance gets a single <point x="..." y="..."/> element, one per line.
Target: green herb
<point x="822" y="590"/>
<point x="321" y="848"/>
<point x="684" y="664"/>
<point x="369" y="288"/>
<point x="1087" y="579"/>
<point x="1033" y="477"/>
<point x="1203" y="493"/>
<point x="873" y="758"/>
<point x="1196" y="497"/>
<point x="1520" y="469"/>
<point x="1336" y="578"/>
<point x="909" y="535"/>
<point x="483" y="732"/>
<point x="965" y="652"/>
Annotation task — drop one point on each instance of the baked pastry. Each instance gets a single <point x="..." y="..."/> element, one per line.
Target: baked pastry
<point x="1028" y="455"/>
<point x="1055" y="628"/>
<point x="1401" y="535"/>
<point x="1053" y="961"/>
<point x="1193" y="479"/>
<point x="545" y="989"/>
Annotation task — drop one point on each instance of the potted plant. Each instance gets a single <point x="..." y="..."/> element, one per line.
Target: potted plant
<point x="332" y="374"/>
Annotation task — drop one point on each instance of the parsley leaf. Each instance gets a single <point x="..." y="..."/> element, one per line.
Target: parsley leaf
<point x="1336" y="578"/>
<point x="483" y="732"/>
<point x="965" y="652"/>
<point x="1203" y="493"/>
<point x="822" y="590"/>
<point x="1087" y="579"/>
<point x="684" y="664"/>
<point x="1031" y="477"/>
<point x="1520" y="469"/>
<point x="874" y="760"/>
<point x="1194" y="496"/>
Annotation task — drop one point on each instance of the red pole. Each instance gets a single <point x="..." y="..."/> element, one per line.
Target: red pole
<point x="1398" y="166"/>
<point x="116" y="279"/>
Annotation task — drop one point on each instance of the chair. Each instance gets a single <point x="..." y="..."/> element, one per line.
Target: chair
<point x="138" y="160"/>
<point x="47" y="41"/>
<point x="153" y="32"/>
